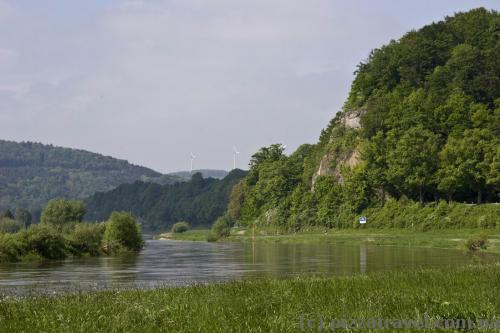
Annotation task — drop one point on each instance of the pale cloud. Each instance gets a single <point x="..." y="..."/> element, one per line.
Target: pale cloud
<point x="150" y="81"/>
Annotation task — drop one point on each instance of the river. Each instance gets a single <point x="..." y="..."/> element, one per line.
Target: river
<point x="175" y="263"/>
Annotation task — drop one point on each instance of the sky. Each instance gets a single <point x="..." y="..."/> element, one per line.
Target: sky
<point x="151" y="81"/>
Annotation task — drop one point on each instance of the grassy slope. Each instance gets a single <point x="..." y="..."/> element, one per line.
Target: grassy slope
<point x="264" y="305"/>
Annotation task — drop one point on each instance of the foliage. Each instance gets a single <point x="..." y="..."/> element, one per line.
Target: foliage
<point x="180" y="227"/>
<point x="8" y="225"/>
<point x="24" y="217"/>
<point x="122" y="234"/>
<point x="33" y="173"/>
<point x="221" y="228"/>
<point x="86" y="238"/>
<point x="199" y="201"/>
<point x="46" y="241"/>
<point x="62" y="233"/>
<point x="429" y="110"/>
<point x="59" y="212"/>
<point x="477" y="242"/>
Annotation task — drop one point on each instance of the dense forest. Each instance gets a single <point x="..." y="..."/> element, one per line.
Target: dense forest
<point x="33" y="173"/>
<point x="420" y="127"/>
<point x="199" y="201"/>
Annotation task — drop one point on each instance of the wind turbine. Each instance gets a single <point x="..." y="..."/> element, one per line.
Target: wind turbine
<point x="193" y="156"/>
<point x="235" y="153"/>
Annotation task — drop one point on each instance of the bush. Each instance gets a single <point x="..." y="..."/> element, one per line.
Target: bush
<point x="8" y="225"/>
<point x="58" y="212"/>
<point x="477" y="242"/>
<point x="122" y="233"/>
<point x="180" y="227"/>
<point x="222" y="227"/>
<point x="10" y="248"/>
<point x="44" y="240"/>
<point x="86" y="238"/>
<point x="212" y="237"/>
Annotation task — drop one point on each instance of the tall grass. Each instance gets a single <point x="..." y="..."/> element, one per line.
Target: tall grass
<point x="264" y="305"/>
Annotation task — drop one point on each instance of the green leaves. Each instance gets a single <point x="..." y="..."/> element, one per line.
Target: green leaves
<point x="60" y="211"/>
<point x="122" y="233"/>
<point x="430" y="129"/>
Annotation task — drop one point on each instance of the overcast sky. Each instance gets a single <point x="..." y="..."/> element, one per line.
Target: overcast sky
<point x="151" y="81"/>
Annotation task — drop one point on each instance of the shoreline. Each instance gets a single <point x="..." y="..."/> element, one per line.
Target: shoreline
<point x="443" y="238"/>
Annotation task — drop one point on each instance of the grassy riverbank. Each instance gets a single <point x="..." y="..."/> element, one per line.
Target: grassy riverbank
<point x="448" y="238"/>
<point x="190" y="235"/>
<point x="264" y="305"/>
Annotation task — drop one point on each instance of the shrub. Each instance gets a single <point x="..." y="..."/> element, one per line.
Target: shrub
<point x="477" y="242"/>
<point x="86" y="238"/>
<point x="10" y="248"/>
<point x="8" y="225"/>
<point x="122" y="233"/>
<point x="44" y="240"/>
<point x="180" y="227"/>
<point x="222" y="226"/>
<point x="212" y="237"/>
<point x="58" y="212"/>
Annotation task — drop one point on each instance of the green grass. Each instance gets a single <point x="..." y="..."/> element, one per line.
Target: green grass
<point x="190" y="235"/>
<point x="469" y="292"/>
<point x="447" y="238"/>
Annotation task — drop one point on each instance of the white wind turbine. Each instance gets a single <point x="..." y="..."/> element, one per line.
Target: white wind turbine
<point x="235" y="153"/>
<point x="193" y="156"/>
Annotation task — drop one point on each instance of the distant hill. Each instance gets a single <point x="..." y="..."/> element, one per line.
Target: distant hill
<point x="206" y="173"/>
<point x="199" y="201"/>
<point x="33" y="173"/>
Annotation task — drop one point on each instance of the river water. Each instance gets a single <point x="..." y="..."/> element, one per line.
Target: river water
<point x="174" y="263"/>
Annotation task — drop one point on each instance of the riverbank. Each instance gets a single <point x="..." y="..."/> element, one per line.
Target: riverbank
<point x="267" y="305"/>
<point x="446" y="239"/>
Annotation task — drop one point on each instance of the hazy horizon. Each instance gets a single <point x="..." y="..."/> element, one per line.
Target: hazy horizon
<point x="152" y="81"/>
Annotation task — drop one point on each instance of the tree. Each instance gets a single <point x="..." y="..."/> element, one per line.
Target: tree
<point x="180" y="227"/>
<point x="122" y="233"/>
<point x="23" y="216"/>
<point x="236" y="200"/>
<point x="464" y="162"/>
<point x="413" y="161"/>
<point x="58" y="212"/>
<point x="8" y="225"/>
<point x="272" y="153"/>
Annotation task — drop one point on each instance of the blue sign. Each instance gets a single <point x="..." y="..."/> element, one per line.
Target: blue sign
<point x="362" y="220"/>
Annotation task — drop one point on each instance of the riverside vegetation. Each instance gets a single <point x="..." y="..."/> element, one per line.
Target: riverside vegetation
<point x="266" y="305"/>
<point x="62" y="232"/>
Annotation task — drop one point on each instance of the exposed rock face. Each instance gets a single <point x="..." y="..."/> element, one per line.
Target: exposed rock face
<point x="351" y="119"/>
<point x="327" y="169"/>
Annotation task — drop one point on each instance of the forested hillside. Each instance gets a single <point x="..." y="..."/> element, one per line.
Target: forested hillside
<point x="206" y="173"/>
<point x="421" y="124"/>
<point x="199" y="201"/>
<point x="33" y="173"/>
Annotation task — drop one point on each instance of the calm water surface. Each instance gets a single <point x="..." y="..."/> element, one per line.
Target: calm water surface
<point x="172" y="263"/>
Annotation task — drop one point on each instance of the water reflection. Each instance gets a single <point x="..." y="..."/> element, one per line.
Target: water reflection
<point x="173" y="263"/>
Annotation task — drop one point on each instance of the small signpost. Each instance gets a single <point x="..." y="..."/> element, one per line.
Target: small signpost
<point x="362" y="220"/>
